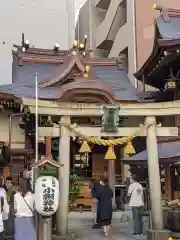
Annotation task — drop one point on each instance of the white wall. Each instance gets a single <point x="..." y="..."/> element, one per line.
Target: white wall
<point x="17" y="132"/>
<point x="44" y="22"/>
<point x="88" y="26"/>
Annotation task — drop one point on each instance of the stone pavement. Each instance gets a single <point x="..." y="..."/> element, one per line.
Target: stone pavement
<point x="81" y="225"/>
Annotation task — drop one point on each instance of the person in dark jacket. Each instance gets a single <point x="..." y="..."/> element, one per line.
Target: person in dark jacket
<point x="104" y="195"/>
<point x="94" y="186"/>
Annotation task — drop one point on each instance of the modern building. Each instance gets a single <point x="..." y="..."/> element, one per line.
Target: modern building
<point x="121" y="28"/>
<point x="42" y="22"/>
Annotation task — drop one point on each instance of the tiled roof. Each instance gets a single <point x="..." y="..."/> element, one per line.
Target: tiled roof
<point x="25" y="75"/>
<point x="119" y="81"/>
<point x="24" y="81"/>
<point x="169" y="29"/>
<point x="107" y="76"/>
<point x="165" y="151"/>
<point x="167" y="34"/>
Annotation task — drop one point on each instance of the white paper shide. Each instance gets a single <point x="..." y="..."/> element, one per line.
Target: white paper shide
<point x="46" y="195"/>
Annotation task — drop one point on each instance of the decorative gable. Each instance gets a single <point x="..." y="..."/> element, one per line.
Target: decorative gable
<point x="66" y="72"/>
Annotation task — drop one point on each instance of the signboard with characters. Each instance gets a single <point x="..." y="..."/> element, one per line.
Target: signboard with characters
<point x="46" y="195"/>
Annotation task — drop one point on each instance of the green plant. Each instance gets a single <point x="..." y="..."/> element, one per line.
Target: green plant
<point x="74" y="189"/>
<point x="74" y="185"/>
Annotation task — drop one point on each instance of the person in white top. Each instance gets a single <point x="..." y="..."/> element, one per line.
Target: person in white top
<point x="4" y="208"/>
<point x="135" y="193"/>
<point x="24" y="208"/>
<point x="27" y="172"/>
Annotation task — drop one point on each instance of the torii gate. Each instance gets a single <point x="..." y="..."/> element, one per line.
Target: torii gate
<point x="149" y="110"/>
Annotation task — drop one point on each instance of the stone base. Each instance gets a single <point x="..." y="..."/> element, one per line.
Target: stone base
<point x="70" y="236"/>
<point x="158" y="234"/>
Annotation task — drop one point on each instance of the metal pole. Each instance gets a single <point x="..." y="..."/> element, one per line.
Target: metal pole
<point x="154" y="174"/>
<point x="37" y="134"/>
<point x="36" y="171"/>
<point x="47" y="225"/>
<point x="39" y="223"/>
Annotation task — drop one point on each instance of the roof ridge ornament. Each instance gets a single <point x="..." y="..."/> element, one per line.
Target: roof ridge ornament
<point x="86" y="72"/>
<point x="167" y="12"/>
<point x="24" y="44"/>
<point x="80" y="47"/>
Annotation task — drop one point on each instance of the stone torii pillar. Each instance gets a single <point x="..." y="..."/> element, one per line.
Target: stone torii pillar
<point x="64" y="172"/>
<point x="157" y="231"/>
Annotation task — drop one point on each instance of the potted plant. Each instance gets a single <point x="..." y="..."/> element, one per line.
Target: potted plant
<point x="74" y="190"/>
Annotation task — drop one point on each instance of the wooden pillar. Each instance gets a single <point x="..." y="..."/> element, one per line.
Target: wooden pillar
<point x="112" y="180"/>
<point x="6" y="172"/>
<point x="48" y="146"/>
<point x="168" y="182"/>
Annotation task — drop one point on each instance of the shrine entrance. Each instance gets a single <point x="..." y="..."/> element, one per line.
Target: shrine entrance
<point x="92" y="134"/>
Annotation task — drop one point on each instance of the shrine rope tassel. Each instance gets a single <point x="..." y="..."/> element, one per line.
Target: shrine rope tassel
<point x="129" y="149"/>
<point x="85" y="148"/>
<point x="110" y="154"/>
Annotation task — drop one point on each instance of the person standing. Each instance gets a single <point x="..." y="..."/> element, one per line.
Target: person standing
<point x="135" y="193"/>
<point x="4" y="209"/>
<point x="24" y="209"/>
<point x="4" y="196"/>
<point x="8" y="186"/>
<point x="27" y="173"/>
<point x="92" y="188"/>
<point x="104" y="195"/>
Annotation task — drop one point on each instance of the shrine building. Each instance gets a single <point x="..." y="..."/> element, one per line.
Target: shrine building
<point x="72" y="78"/>
<point x="64" y="76"/>
<point x="161" y="70"/>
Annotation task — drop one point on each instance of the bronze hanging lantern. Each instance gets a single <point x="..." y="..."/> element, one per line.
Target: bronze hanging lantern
<point x="170" y="83"/>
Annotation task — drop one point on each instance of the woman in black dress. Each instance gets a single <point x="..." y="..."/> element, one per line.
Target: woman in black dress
<point x="105" y="195"/>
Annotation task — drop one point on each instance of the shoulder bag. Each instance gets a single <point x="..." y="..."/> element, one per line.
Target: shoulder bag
<point x="33" y="212"/>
